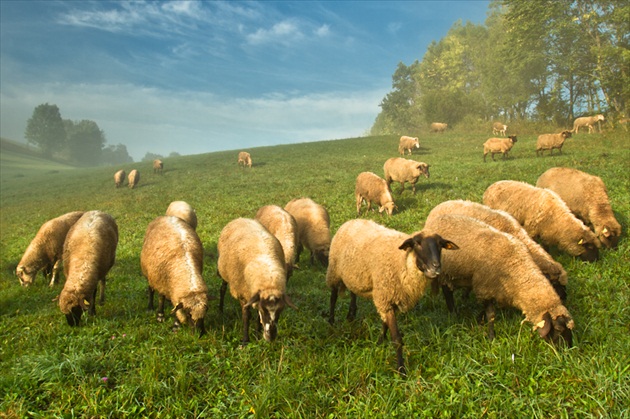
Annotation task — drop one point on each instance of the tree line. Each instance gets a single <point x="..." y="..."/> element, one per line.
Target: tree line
<point x="540" y="60"/>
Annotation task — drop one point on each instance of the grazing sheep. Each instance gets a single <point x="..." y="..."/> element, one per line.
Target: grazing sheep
<point x="184" y="211"/>
<point x="158" y="166"/>
<point x="371" y="188"/>
<point x="407" y="144"/>
<point x="284" y="227"/>
<point x="544" y="215"/>
<point x="504" y="222"/>
<point x="498" y="145"/>
<point x="244" y="159"/>
<point x="438" y="127"/>
<point x="499" y="269"/>
<point x="172" y="262"/>
<point x="313" y="228"/>
<point x="404" y="170"/>
<point x="119" y="178"/>
<point x="134" y="178"/>
<point x="387" y="266"/>
<point x="587" y="121"/>
<point x="45" y="251"/>
<point x="551" y="141"/>
<point x="499" y="128"/>
<point x="251" y="261"/>
<point x="587" y="197"/>
<point x="89" y="253"/>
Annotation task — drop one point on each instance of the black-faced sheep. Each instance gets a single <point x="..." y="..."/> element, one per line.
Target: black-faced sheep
<point x="183" y="210"/>
<point x="251" y="261"/>
<point x="551" y="141"/>
<point x="499" y="269"/>
<point x="158" y="166"/>
<point x="387" y="266"/>
<point x="587" y="197"/>
<point x="244" y="159"/>
<point x="544" y="215"/>
<point x="404" y="170"/>
<point x="45" y="251"/>
<point x="371" y="188"/>
<point x="284" y="227"/>
<point x="313" y="224"/>
<point x="407" y="144"/>
<point x="498" y="128"/>
<point x="586" y="121"/>
<point x="119" y="178"/>
<point x="133" y="178"/>
<point x="498" y="145"/>
<point x="172" y="262"/>
<point x="438" y="127"/>
<point x="89" y="253"/>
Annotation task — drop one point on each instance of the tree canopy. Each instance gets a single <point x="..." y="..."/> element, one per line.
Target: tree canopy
<point x="46" y="129"/>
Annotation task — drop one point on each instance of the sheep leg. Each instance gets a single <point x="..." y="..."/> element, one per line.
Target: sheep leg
<point x="222" y="295"/>
<point x="151" y="292"/>
<point x="245" y="315"/>
<point x="160" y="310"/>
<point x="334" y="292"/>
<point x="390" y="321"/>
<point x="448" y="297"/>
<point x="402" y="187"/>
<point x="55" y="272"/>
<point x="101" y="297"/>
<point x="490" y="314"/>
<point x="352" y="310"/>
<point x="413" y="188"/>
<point x="92" y="306"/>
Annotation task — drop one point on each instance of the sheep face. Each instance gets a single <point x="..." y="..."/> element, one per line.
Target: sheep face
<point x="193" y="315"/>
<point x="566" y="134"/>
<point x="424" y="169"/>
<point x="590" y="252"/>
<point x="269" y="310"/>
<point x="75" y="307"/>
<point x="608" y="238"/>
<point x="388" y="207"/>
<point x="26" y="275"/>
<point x="556" y="330"/>
<point x="321" y="255"/>
<point x="428" y="250"/>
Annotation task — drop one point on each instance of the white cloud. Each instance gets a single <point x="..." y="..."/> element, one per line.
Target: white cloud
<point x="322" y="31"/>
<point x="285" y="33"/>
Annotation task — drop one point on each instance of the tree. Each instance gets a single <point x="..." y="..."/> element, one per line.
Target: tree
<point x="46" y="129"/>
<point x="85" y="142"/>
<point x="400" y="110"/>
<point x="116" y="155"/>
<point x="152" y="156"/>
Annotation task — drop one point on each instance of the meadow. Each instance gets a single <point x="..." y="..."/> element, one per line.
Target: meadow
<point x="122" y="363"/>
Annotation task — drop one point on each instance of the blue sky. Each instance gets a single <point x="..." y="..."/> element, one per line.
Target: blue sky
<point x="196" y="77"/>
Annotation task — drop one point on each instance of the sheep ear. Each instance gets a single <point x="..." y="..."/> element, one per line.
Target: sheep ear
<point x="605" y="232"/>
<point x="288" y="302"/>
<point x="544" y="327"/>
<point x="449" y="245"/>
<point x="253" y="300"/>
<point x="177" y="307"/>
<point x="581" y="242"/>
<point x="84" y="304"/>
<point x="408" y="244"/>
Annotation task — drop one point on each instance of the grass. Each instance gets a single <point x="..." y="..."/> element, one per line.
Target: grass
<point x="122" y="363"/>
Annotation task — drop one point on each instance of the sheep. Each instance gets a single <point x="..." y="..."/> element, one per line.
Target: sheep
<point x="183" y="210"/>
<point x="499" y="269"/>
<point x="544" y="215"/>
<point x="172" y="262"/>
<point x="498" y="145"/>
<point x="158" y="166"/>
<point x="89" y="252"/>
<point x="45" y="252"/>
<point x="499" y="128"/>
<point x="251" y="261"/>
<point x="371" y="188"/>
<point x="244" y="159"/>
<point x="133" y="178"/>
<point x="284" y="227"/>
<point x="587" y="197"/>
<point x="385" y="265"/>
<point x="407" y="144"/>
<point x="313" y="228"/>
<point x="438" y="127"/>
<point x="404" y="170"/>
<point x="551" y="141"/>
<point x="119" y="178"/>
<point x="587" y="121"/>
<point x="504" y="222"/>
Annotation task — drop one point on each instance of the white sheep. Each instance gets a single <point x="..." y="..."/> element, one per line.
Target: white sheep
<point x="587" y="197"/>
<point x="371" y="188"/>
<point x="500" y="270"/>
<point x="586" y="121"/>
<point x="407" y="144"/>
<point x="385" y="265"/>
<point x="172" y="262"/>
<point x="544" y="215"/>
<point x="119" y="178"/>
<point x="438" y="127"/>
<point x="284" y="227"/>
<point x="313" y="226"/>
<point x="183" y="210"/>
<point x="498" y="145"/>
<point x="133" y="178"/>
<point x="244" y="159"/>
<point x="251" y="261"/>
<point x="404" y="170"/>
<point x="158" y="166"/>
<point x="89" y="252"/>
<point x="551" y="141"/>
<point x="45" y="251"/>
<point x="498" y="128"/>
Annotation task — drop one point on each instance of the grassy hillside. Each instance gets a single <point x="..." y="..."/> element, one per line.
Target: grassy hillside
<point x="16" y="160"/>
<point x="123" y="363"/>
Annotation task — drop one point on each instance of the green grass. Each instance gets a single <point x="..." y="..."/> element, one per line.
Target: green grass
<point x="48" y="369"/>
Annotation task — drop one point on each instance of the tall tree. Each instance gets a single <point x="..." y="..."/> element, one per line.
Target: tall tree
<point x="45" y="129"/>
<point x="115" y="155"/>
<point x="401" y="111"/>
<point x="85" y="142"/>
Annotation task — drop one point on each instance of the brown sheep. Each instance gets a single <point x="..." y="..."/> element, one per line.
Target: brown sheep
<point x="371" y="188"/>
<point x="184" y="211"/>
<point x="498" y="145"/>
<point x="586" y="121"/>
<point x="438" y="127"/>
<point x="551" y="141"/>
<point x="158" y="166"/>
<point x="244" y="159"/>
<point x="404" y="170"/>
<point x="284" y="227"/>
<point x="313" y="228"/>
<point x="134" y="178"/>
<point x="119" y="178"/>
<point x="498" y="128"/>
<point x="407" y="144"/>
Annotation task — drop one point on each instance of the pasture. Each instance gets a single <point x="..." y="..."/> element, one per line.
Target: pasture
<point x="122" y="363"/>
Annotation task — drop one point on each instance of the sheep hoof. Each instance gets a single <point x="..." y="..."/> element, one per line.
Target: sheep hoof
<point x="160" y="317"/>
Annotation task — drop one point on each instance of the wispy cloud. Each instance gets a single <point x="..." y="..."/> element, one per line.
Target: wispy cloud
<point x="285" y="33"/>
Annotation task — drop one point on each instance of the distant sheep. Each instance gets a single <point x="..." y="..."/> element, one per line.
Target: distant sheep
<point x="551" y="141"/>
<point x="389" y="267"/>
<point x="158" y="166"/>
<point x="134" y="178"/>
<point x="184" y="211"/>
<point x="89" y="253"/>
<point x="544" y="215"/>
<point x="407" y="144"/>
<point x="119" y="178"/>
<point x="251" y="261"/>
<point x="371" y="188"/>
<point x="586" y="121"/>
<point x="587" y="197"/>
<point x="498" y="145"/>
<point x="499" y="269"/>
<point x="313" y="227"/>
<point x="438" y="127"/>
<point x="499" y="128"/>
<point x="244" y="159"/>
<point x="284" y="227"/>
<point x="45" y="252"/>
<point x="172" y="262"/>
<point x="404" y="170"/>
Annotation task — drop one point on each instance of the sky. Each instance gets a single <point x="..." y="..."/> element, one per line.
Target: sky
<point x="200" y="76"/>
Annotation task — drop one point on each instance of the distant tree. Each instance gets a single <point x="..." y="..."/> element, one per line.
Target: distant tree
<point x="116" y="155"/>
<point x="85" y="142"/>
<point x="174" y="154"/>
<point x="46" y="129"/>
<point x="400" y="110"/>
<point x="151" y="156"/>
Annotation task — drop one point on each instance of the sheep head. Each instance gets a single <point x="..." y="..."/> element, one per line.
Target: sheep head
<point x="424" y="169"/>
<point x="270" y="305"/>
<point x="26" y="275"/>
<point x="589" y="247"/>
<point x="428" y="250"/>
<point x="555" y="330"/>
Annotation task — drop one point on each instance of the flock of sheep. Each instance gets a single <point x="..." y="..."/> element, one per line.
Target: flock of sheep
<point x="489" y="248"/>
